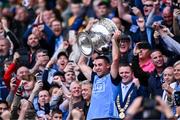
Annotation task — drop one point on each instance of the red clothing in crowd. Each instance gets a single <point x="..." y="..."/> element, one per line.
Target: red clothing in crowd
<point x="8" y="76"/>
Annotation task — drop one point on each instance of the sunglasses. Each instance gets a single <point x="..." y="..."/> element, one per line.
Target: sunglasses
<point x="148" y="5"/>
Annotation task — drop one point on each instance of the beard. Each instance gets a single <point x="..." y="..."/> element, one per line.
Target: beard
<point x="35" y="47"/>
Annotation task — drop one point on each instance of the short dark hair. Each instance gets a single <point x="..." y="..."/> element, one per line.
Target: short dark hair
<point x="126" y="65"/>
<point x="144" y="45"/>
<point x="62" y="54"/>
<point x="106" y="59"/>
<point x="103" y="3"/>
<point x="58" y="73"/>
<point x="4" y="102"/>
<point x="125" y="37"/>
<point x="55" y="110"/>
<point x="42" y="50"/>
<point x="156" y="50"/>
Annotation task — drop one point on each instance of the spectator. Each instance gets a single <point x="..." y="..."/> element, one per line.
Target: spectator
<point x="128" y="90"/>
<point x="56" y="27"/>
<point x="42" y="59"/>
<point x="21" y="21"/>
<point x="125" y="49"/>
<point x="56" y="114"/>
<point x="86" y="94"/>
<point x="3" y="106"/>
<point x="42" y="106"/>
<point x="145" y="61"/>
<point x="4" y="54"/>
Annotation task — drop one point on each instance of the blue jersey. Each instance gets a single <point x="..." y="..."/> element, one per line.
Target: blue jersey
<point x="103" y="98"/>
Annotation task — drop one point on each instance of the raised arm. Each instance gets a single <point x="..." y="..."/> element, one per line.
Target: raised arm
<point x="85" y="69"/>
<point x="115" y="54"/>
<point x="122" y="14"/>
<point x="176" y="28"/>
<point x="150" y="17"/>
<point x="171" y="44"/>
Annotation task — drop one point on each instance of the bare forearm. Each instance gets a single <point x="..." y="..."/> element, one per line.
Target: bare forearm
<point x="115" y="51"/>
<point x="10" y="97"/>
<point x="31" y="97"/>
<point x="120" y="8"/>
<point x="34" y="69"/>
<point x="64" y="88"/>
<point x="82" y="60"/>
<point x="22" y="115"/>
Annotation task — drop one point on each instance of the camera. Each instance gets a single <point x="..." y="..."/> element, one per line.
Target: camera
<point x="177" y="98"/>
<point x="149" y="111"/>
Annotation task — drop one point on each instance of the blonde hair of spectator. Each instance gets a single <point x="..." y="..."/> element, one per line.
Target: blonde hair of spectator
<point x="176" y="63"/>
<point x="86" y="82"/>
<point x="72" y="84"/>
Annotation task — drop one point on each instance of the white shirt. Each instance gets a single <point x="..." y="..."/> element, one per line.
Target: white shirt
<point x="125" y="89"/>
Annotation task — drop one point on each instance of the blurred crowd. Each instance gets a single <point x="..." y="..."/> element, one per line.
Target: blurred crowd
<point x="44" y="75"/>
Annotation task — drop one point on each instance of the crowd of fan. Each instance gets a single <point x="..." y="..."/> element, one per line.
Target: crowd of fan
<point x="44" y="76"/>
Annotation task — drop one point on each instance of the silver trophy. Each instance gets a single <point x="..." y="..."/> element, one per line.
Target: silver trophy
<point x="98" y="38"/>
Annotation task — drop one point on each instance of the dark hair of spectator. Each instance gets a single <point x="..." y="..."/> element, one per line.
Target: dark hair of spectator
<point x="155" y="50"/>
<point x="62" y="54"/>
<point x="58" y="74"/>
<point x="144" y="45"/>
<point x="104" y="3"/>
<point x="76" y="1"/>
<point x="3" y="102"/>
<point x="125" y="65"/>
<point x="106" y="59"/>
<point x="55" y="110"/>
<point x="42" y="50"/>
<point x="125" y="37"/>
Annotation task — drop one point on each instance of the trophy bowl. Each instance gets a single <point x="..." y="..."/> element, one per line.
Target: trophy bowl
<point x="98" y="38"/>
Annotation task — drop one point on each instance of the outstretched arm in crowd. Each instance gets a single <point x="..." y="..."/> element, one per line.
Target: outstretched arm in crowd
<point x="10" y="96"/>
<point x="122" y="14"/>
<point x="176" y="27"/>
<point x="171" y="44"/>
<point x="150" y="17"/>
<point x="45" y="75"/>
<point x="57" y="80"/>
<point x="37" y="87"/>
<point x="12" y="37"/>
<point x="16" y="102"/>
